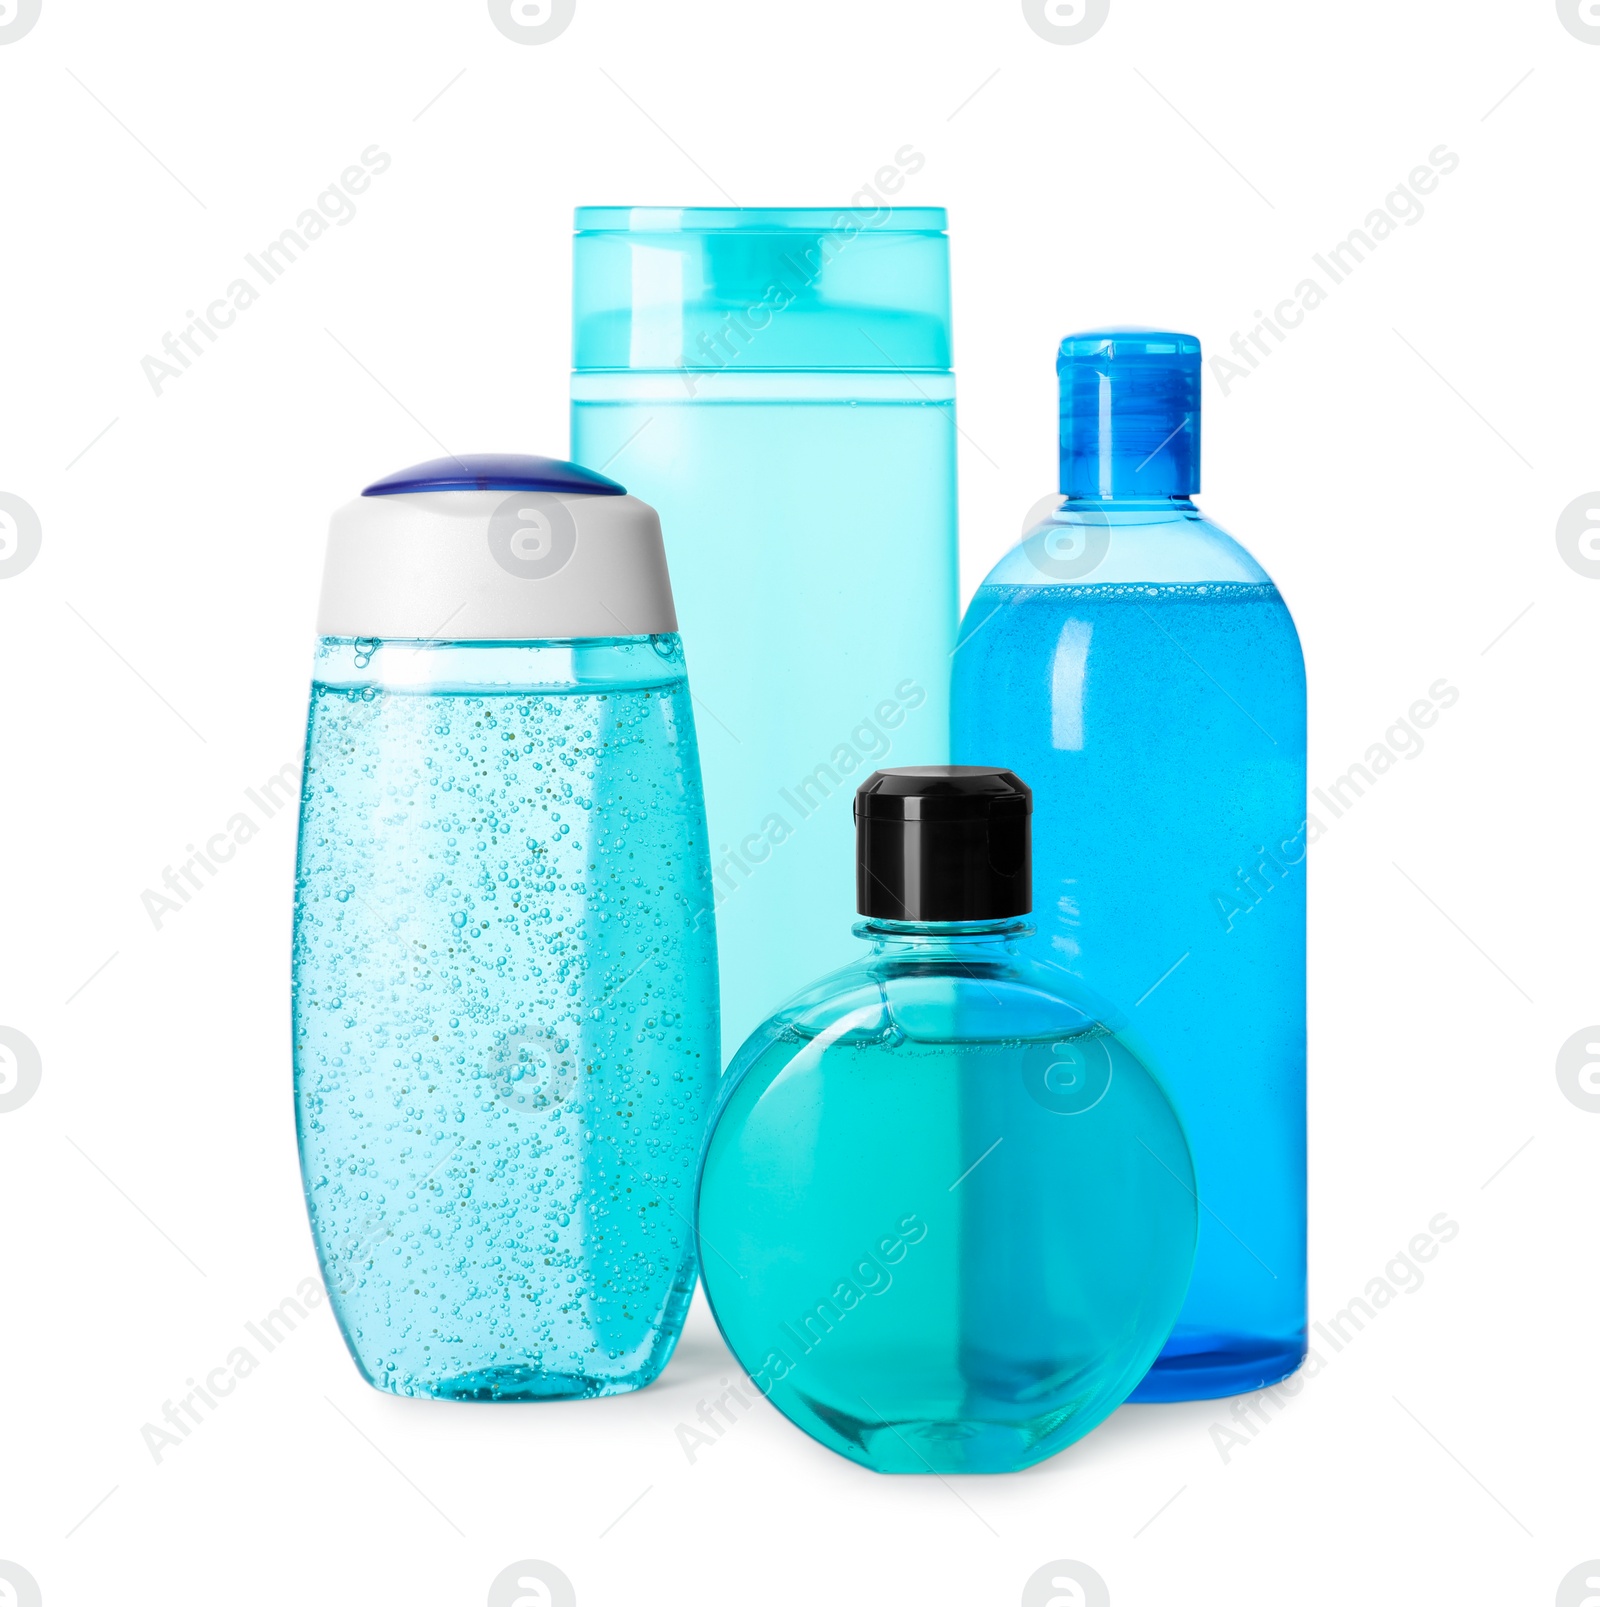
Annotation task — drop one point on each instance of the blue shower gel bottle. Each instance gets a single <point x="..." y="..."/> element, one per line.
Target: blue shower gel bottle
<point x="1140" y="667"/>
<point x="505" y="1011"/>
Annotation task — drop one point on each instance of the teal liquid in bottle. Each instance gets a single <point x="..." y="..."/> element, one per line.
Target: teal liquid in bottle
<point x="946" y="1215"/>
<point x="504" y="1012"/>
<point x="1143" y="670"/>
<point x="777" y="382"/>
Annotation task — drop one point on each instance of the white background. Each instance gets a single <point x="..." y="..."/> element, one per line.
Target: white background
<point x="1399" y="466"/>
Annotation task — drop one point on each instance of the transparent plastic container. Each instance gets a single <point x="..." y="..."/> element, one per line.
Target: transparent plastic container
<point x="505" y="1009"/>
<point x="1138" y="665"/>
<point x="777" y="382"/>
<point x="946" y="1214"/>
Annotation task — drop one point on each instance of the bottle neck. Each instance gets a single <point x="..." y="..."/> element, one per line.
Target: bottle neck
<point x="1179" y="504"/>
<point x="924" y="938"/>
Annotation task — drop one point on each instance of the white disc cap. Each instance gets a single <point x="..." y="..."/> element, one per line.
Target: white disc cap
<point x="495" y="549"/>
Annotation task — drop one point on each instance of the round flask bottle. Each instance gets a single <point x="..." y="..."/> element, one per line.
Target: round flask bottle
<point x="946" y="1214"/>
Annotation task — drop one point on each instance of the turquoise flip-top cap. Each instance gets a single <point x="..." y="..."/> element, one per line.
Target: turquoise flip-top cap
<point x="1130" y="413"/>
<point x="666" y="289"/>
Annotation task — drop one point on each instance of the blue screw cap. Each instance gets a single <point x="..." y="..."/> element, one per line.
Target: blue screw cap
<point x="1130" y="413"/>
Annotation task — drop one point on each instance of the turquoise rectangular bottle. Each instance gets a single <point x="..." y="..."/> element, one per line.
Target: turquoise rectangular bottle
<point x="776" y="381"/>
<point x="1142" y="670"/>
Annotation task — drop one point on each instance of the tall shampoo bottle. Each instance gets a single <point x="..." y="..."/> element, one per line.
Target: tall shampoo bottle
<point x="1141" y="668"/>
<point x="777" y="382"/>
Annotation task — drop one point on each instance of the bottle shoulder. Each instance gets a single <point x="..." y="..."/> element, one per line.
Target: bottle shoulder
<point x="1101" y="544"/>
<point x="1002" y="997"/>
<point x="917" y="1028"/>
<point x="1127" y="574"/>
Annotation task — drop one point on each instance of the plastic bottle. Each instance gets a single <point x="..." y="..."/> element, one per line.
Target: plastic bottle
<point x="777" y="382"/>
<point x="1142" y="669"/>
<point x="946" y="1216"/>
<point x="505" y="1013"/>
